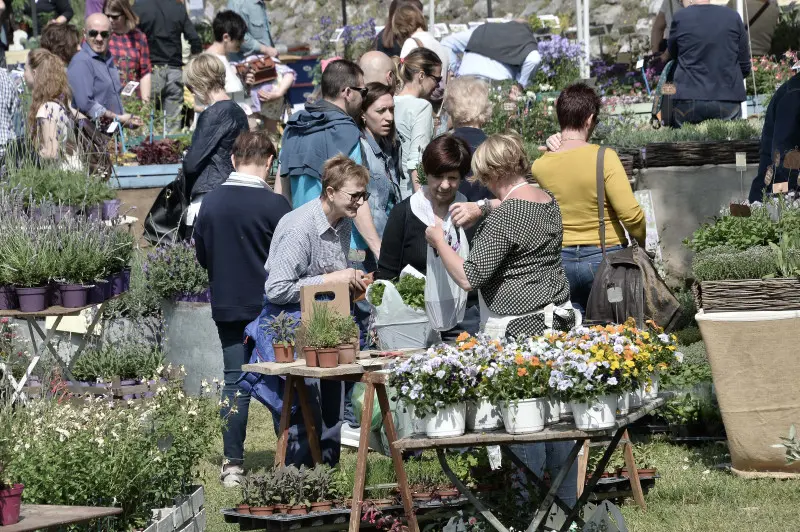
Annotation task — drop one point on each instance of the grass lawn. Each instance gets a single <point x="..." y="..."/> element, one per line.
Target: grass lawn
<point x="692" y="494"/>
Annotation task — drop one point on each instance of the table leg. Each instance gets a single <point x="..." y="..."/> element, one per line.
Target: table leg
<point x="633" y="473"/>
<point x="598" y="472"/>
<point x="583" y="463"/>
<point x="485" y="512"/>
<point x="363" y="452"/>
<point x="397" y="458"/>
<point x="47" y="340"/>
<point x="308" y="420"/>
<point x="286" y="415"/>
<point x="544" y="507"/>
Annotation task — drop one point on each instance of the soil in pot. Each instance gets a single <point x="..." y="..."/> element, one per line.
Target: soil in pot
<point x="322" y="506"/>
<point x="72" y="295"/>
<point x="243" y="508"/>
<point x="283" y="353"/>
<point x="32" y="299"/>
<point x="297" y="510"/>
<point x="261" y="510"/>
<point x="310" y="354"/>
<point x="347" y="354"/>
<point x="8" y="298"/>
<point x="328" y="358"/>
<point x="10" y="502"/>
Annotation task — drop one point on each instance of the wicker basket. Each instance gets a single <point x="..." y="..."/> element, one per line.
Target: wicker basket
<point x="699" y="153"/>
<point x="749" y="295"/>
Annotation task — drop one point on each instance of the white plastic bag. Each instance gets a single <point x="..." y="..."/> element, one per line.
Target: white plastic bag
<point x="445" y="301"/>
<point x="398" y="325"/>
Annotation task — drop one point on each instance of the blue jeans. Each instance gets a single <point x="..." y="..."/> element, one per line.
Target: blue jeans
<point x="580" y="265"/>
<point x="696" y="111"/>
<point x="537" y="455"/>
<point x="234" y="355"/>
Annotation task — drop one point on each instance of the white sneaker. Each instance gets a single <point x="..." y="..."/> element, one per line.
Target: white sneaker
<point x="231" y="476"/>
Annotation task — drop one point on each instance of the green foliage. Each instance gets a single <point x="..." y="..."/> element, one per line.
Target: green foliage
<point x="708" y="131"/>
<point x="735" y="231"/>
<point x="532" y="119"/>
<point x="694" y="370"/>
<point x="322" y="330"/>
<point x="691" y="411"/>
<point x="57" y="185"/>
<point x="283" y="328"/>
<point x="173" y="270"/>
<point x="126" y="360"/>
<point x="411" y="289"/>
<point x="689" y="335"/>
<point x="347" y="329"/>
<point x="722" y="263"/>
<point x="139" y="301"/>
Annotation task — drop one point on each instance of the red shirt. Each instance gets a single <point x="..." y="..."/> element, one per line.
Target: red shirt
<point x="131" y="55"/>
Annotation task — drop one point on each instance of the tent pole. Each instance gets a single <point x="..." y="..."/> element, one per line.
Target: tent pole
<point x="489" y="8"/>
<point x="34" y="21"/>
<point x="587" y="39"/>
<point x="740" y="10"/>
<point x="579" y="22"/>
<point x="432" y="15"/>
<point x="344" y="13"/>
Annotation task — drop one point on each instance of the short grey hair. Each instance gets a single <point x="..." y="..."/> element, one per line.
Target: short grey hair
<point x="467" y="101"/>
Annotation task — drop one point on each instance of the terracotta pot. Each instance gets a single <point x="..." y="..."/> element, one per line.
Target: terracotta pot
<point x="281" y="508"/>
<point x="243" y="508"/>
<point x="261" y="510"/>
<point x="297" y="510"/>
<point x="322" y="506"/>
<point x="328" y="358"/>
<point x="10" y="502"/>
<point x="419" y="496"/>
<point x="283" y="353"/>
<point x="642" y="473"/>
<point x="382" y="503"/>
<point x="446" y="493"/>
<point x="347" y="354"/>
<point x="310" y="354"/>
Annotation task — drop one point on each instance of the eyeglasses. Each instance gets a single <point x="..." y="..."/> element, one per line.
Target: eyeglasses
<point x="355" y="197"/>
<point x="92" y="34"/>
<point x="361" y="90"/>
<point x="114" y="17"/>
<point x="438" y="79"/>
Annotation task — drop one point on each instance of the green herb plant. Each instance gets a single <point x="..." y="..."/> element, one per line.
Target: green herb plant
<point x="410" y="287"/>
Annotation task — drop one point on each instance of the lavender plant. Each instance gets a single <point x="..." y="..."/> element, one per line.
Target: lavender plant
<point x="560" y="62"/>
<point x="173" y="270"/>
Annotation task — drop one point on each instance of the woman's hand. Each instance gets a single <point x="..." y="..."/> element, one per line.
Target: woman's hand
<point x="553" y="143"/>
<point x="267" y="96"/>
<point x="435" y="234"/>
<point x="465" y="214"/>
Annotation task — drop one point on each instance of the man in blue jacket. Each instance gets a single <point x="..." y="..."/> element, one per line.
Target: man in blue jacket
<point x="781" y="133"/>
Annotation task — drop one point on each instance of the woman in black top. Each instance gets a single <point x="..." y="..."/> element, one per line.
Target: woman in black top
<point x="386" y="40"/>
<point x="61" y="10"/>
<point x="208" y="161"/>
<point x="712" y="52"/>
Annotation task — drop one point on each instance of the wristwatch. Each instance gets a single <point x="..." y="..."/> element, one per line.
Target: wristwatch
<point x="485" y="207"/>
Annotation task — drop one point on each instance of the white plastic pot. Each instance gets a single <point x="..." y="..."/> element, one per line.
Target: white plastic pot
<point x="565" y="408"/>
<point x="630" y="400"/>
<point x="524" y="416"/>
<point x="653" y="393"/>
<point x="448" y="421"/>
<point x="599" y="413"/>
<point x="483" y="415"/>
<point x="553" y="411"/>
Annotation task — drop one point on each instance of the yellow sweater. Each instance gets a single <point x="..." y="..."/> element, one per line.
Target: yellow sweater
<point x="571" y="176"/>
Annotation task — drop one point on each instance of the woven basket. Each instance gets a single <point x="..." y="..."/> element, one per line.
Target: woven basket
<point x="749" y="295"/>
<point x="699" y="153"/>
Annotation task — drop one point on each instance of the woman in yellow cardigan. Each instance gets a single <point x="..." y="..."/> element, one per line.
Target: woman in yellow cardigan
<point x="569" y="172"/>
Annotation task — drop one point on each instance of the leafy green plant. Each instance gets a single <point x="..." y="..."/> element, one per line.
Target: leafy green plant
<point x="410" y="287"/>
<point x="319" y="480"/>
<point x="283" y="328"/>
<point x="725" y="263"/>
<point x="126" y="360"/>
<point x="173" y="270"/>
<point x="694" y="370"/>
<point x="347" y="329"/>
<point x="738" y="232"/>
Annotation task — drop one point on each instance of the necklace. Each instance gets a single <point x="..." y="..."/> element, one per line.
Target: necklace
<point x="573" y="138"/>
<point x="515" y="187"/>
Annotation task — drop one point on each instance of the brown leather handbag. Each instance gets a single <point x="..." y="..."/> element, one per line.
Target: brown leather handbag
<point x="263" y="70"/>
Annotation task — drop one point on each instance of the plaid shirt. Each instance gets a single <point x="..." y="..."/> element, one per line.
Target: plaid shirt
<point x="131" y="55"/>
<point x="304" y="247"/>
<point x="9" y="105"/>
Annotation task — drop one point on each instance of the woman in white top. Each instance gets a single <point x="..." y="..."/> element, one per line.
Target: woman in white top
<point x="412" y="31"/>
<point x="420" y="72"/>
<point x="51" y="120"/>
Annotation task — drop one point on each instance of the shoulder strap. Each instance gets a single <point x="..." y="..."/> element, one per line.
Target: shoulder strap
<point x="764" y="6"/>
<point x="601" y="196"/>
<point x="419" y="43"/>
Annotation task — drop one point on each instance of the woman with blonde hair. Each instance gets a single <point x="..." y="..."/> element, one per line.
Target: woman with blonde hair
<point x="128" y="45"/>
<point x="420" y="72"/>
<point x="208" y="162"/>
<point x="522" y="287"/>
<point x="51" y="119"/>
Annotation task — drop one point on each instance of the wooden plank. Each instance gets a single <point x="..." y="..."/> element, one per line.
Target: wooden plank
<point x="558" y="432"/>
<point x="38" y="516"/>
<point x="49" y="311"/>
<point x="583" y="465"/>
<point x="272" y="368"/>
<point x="323" y="373"/>
<point x="630" y="463"/>
<point x="283" y="429"/>
<point x="361" y="462"/>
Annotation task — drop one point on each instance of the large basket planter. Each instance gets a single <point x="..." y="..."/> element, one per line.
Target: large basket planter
<point x="749" y="295"/>
<point x="192" y="341"/>
<point x="699" y="153"/>
<point x="752" y="356"/>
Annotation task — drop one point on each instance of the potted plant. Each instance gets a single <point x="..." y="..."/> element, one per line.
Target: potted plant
<point x="284" y="485"/>
<point x="10" y="491"/>
<point x="248" y="490"/>
<point x="348" y="339"/>
<point x="340" y="487"/>
<point x="320" y="479"/>
<point x="482" y="412"/>
<point x="323" y="335"/>
<point x="283" y="328"/>
<point x="297" y="497"/>
<point x="263" y="492"/>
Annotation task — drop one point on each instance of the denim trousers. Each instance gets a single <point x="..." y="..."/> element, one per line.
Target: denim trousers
<point x="696" y="111"/>
<point x="325" y="400"/>
<point x="553" y="455"/>
<point x="580" y="265"/>
<point x="168" y="90"/>
<point x="234" y="355"/>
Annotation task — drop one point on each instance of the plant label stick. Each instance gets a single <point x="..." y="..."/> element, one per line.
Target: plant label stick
<point x="130" y="88"/>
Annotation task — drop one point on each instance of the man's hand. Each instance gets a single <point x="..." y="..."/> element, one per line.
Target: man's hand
<point x="129" y="120"/>
<point x="465" y="214"/>
<point x="269" y="51"/>
<point x="250" y="78"/>
<point x="351" y="276"/>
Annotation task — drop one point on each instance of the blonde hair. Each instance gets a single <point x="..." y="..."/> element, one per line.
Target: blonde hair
<point x="51" y="83"/>
<point x="500" y="157"/>
<point x="340" y="169"/>
<point x="204" y="74"/>
<point x="467" y="101"/>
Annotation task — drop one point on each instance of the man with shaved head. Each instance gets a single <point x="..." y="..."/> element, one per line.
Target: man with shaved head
<point x="378" y="68"/>
<point x="93" y="77"/>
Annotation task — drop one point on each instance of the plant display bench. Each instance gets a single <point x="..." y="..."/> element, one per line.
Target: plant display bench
<point x="47" y="338"/>
<point x="563" y="431"/>
<point x="367" y="371"/>
<point x="46" y="517"/>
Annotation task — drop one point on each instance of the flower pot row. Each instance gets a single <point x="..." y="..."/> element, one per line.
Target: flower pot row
<point x="107" y="210"/>
<point x="121" y="389"/>
<point x="317" y="357"/>
<point x="40" y="298"/>
<point x="10" y="503"/>
<point x="287" y="509"/>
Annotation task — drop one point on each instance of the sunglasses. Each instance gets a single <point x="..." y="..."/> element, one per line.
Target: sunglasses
<point x="113" y="17"/>
<point x="361" y="90"/>
<point x="438" y="79"/>
<point x="355" y="197"/>
<point x="92" y="34"/>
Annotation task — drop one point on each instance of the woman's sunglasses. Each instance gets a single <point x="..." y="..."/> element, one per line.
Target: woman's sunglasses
<point x="114" y="17"/>
<point x="92" y="34"/>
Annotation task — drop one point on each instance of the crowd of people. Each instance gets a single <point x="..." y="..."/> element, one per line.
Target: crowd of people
<point x="368" y="183"/>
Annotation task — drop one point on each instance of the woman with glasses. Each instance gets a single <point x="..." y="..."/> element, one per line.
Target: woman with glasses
<point x="128" y="45"/>
<point x="420" y="72"/>
<point x="569" y="172"/>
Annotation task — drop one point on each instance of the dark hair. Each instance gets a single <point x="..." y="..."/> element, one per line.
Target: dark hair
<point x="231" y="23"/>
<point x="419" y="60"/>
<point x="447" y="153"/>
<point x="575" y="105"/>
<point x="338" y="75"/>
<point x="253" y="147"/>
<point x="389" y="38"/>
<point x="376" y="91"/>
<point x="407" y="20"/>
<point x="62" y="40"/>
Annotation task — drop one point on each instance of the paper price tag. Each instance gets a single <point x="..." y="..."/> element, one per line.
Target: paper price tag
<point x="614" y="294"/>
<point x="639" y="64"/>
<point x="129" y="88"/>
<point x="780" y="188"/>
<point x="112" y="127"/>
<point x="741" y="161"/>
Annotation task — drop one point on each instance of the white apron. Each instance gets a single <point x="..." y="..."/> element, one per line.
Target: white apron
<point x="495" y="325"/>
